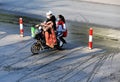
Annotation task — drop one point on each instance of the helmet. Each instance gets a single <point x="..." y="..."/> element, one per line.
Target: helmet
<point x="49" y="13"/>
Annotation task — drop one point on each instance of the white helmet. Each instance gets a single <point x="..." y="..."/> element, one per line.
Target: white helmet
<point x="49" y="13"/>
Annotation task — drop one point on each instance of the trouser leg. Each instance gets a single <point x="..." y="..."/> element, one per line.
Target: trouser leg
<point x="62" y="39"/>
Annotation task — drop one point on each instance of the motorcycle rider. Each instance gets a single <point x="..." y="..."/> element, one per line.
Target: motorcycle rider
<point x="61" y="28"/>
<point x="51" y="17"/>
<point x="49" y="28"/>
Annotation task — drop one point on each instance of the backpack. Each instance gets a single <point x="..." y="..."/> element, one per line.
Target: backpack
<point x="65" y="33"/>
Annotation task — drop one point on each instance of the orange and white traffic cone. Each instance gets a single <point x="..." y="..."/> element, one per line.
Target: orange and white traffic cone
<point x="90" y="44"/>
<point x="21" y="27"/>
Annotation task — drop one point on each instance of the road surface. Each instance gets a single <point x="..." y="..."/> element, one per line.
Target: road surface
<point x="76" y="63"/>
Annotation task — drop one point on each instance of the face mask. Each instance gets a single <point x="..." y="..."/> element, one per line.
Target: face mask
<point x="58" y="19"/>
<point x="48" y="17"/>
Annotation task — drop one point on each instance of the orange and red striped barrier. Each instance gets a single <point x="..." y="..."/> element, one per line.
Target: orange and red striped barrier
<point x="90" y="44"/>
<point x="21" y="27"/>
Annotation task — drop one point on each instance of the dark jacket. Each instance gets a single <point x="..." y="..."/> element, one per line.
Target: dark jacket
<point x="53" y="19"/>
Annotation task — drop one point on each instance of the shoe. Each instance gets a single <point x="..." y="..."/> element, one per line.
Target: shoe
<point x="65" y="42"/>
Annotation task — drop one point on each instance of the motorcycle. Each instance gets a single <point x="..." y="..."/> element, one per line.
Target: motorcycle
<point x="40" y="44"/>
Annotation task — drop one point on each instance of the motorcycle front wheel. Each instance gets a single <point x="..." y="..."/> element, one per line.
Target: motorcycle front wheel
<point x="35" y="48"/>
